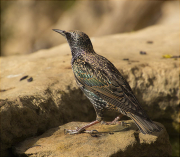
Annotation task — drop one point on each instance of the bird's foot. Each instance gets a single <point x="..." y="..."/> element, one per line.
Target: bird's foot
<point x="104" y="123"/>
<point x="91" y="131"/>
<point x="71" y="132"/>
<point x="82" y="129"/>
<point x="123" y="123"/>
<point x="114" y="123"/>
<point x="109" y="123"/>
<point x="77" y="131"/>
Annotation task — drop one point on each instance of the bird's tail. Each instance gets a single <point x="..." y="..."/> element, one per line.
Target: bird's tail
<point x="146" y="126"/>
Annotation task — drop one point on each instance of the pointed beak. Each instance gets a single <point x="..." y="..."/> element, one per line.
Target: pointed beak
<point x="62" y="32"/>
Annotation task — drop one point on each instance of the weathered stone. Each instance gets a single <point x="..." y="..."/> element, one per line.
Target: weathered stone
<point x="111" y="140"/>
<point x="53" y="98"/>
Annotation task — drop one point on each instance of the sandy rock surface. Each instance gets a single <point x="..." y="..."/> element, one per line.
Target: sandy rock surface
<point x="52" y="98"/>
<point x="113" y="140"/>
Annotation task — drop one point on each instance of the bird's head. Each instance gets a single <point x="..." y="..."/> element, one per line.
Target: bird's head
<point x="78" y="41"/>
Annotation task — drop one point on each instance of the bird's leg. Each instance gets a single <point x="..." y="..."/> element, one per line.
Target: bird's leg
<point x="99" y="117"/>
<point x="79" y="130"/>
<point x="115" y="121"/>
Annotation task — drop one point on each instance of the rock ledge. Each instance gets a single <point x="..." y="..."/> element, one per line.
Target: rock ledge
<point x="111" y="140"/>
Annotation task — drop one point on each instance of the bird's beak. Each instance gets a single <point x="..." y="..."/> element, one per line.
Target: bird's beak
<point x="62" y="32"/>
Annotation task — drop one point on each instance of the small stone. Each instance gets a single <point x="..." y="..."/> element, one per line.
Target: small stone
<point x="142" y="52"/>
<point x="24" y="77"/>
<point x="30" y="79"/>
<point x="150" y="42"/>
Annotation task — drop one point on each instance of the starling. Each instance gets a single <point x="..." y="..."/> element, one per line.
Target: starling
<point x="103" y="84"/>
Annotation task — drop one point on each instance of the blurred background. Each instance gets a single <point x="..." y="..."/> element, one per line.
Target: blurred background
<point x="26" y="26"/>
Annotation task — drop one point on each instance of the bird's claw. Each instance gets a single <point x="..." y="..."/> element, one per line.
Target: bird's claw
<point x="124" y="124"/>
<point x="115" y="123"/>
<point x="110" y="123"/>
<point x="71" y="132"/>
<point x="91" y="131"/>
<point x="104" y="123"/>
<point x="77" y="131"/>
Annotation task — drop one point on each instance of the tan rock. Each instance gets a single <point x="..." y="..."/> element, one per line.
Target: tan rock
<point x="111" y="140"/>
<point x="53" y="98"/>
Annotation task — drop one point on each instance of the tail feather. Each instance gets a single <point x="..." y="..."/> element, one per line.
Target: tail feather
<point x="146" y="126"/>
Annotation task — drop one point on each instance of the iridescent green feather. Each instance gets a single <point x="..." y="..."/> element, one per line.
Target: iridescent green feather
<point x="107" y="88"/>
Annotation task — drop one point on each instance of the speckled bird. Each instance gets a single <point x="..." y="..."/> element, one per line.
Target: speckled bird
<point x="103" y="84"/>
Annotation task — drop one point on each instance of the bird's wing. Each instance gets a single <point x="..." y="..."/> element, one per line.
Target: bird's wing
<point x="110" y="86"/>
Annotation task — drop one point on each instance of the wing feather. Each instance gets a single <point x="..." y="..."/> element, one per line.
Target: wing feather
<point x="110" y="86"/>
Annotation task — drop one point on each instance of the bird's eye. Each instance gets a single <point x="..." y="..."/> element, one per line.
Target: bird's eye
<point x="68" y="35"/>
